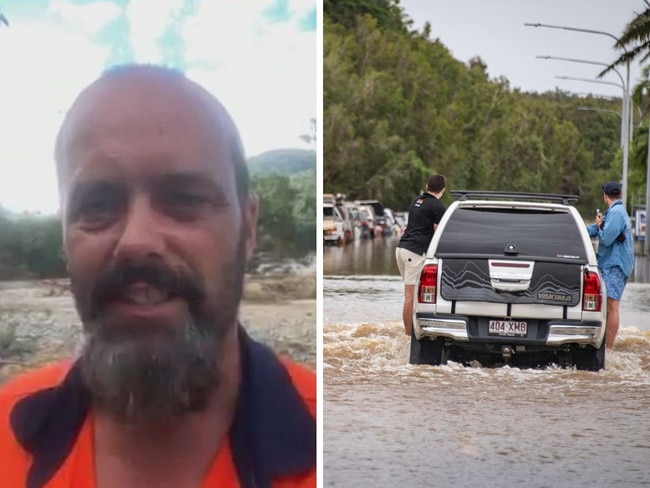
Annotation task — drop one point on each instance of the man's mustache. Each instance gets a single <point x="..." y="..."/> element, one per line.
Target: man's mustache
<point x="112" y="282"/>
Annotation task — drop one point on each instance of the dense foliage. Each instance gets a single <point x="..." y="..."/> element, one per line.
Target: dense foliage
<point x="398" y="107"/>
<point x="386" y="12"/>
<point x="31" y="245"/>
<point x="287" y="220"/>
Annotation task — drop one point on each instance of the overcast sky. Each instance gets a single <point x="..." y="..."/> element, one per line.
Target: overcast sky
<point x="257" y="56"/>
<point x="494" y="30"/>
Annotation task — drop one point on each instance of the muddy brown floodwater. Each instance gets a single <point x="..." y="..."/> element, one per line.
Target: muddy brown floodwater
<point x="390" y="424"/>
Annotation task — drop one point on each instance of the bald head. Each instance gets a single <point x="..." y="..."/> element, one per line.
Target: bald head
<point x="169" y="96"/>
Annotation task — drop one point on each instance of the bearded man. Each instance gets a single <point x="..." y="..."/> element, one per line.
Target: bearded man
<point x="169" y="390"/>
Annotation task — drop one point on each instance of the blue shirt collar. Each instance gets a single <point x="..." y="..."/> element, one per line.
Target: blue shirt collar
<point x="614" y="203"/>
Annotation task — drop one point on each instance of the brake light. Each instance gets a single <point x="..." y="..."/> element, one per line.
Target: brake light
<point x="428" y="282"/>
<point x="591" y="300"/>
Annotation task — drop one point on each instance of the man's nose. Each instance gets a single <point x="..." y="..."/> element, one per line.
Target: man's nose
<point x="141" y="235"/>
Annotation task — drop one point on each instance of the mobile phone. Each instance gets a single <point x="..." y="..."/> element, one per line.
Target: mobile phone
<point x="598" y="214"/>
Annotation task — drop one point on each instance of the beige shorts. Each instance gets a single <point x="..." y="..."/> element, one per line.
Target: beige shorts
<point x="409" y="264"/>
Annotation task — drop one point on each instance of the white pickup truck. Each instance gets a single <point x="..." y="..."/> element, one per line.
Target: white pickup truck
<point x="510" y="278"/>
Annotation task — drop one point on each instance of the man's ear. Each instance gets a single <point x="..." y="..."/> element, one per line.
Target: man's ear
<point x="251" y="212"/>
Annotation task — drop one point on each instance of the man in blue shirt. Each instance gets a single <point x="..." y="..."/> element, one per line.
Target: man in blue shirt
<point x="615" y="253"/>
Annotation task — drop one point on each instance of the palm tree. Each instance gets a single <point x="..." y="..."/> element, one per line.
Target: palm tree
<point x="635" y="40"/>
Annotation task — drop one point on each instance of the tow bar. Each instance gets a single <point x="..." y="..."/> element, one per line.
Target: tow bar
<point x="506" y="352"/>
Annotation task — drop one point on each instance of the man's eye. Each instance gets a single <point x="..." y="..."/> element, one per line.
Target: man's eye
<point x="186" y="200"/>
<point x="97" y="212"/>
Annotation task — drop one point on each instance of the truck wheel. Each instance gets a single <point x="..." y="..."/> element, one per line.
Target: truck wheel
<point x="427" y="351"/>
<point x="589" y="358"/>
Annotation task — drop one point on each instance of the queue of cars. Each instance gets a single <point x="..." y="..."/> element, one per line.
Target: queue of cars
<point x="345" y="221"/>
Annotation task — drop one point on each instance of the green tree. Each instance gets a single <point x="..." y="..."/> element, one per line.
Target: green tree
<point x="634" y="42"/>
<point x="397" y="106"/>
<point x="31" y="247"/>
<point x="287" y="220"/>
<point x="386" y="12"/>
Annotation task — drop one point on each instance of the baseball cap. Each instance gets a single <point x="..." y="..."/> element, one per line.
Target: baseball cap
<point x="612" y="188"/>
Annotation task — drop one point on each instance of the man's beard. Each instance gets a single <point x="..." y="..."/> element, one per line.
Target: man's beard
<point x="156" y="372"/>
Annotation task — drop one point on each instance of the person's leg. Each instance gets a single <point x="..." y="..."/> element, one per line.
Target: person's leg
<point x="409" y="265"/>
<point x="407" y="312"/>
<point x="613" y="318"/>
<point x="615" y="281"/>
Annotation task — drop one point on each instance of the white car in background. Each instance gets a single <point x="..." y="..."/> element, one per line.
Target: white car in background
<point x="510" y="278"/>
<point x="333" y="232"/>
<point x="368" y="213"/>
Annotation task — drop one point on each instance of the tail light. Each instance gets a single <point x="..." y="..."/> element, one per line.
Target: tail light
<point x="428" y="282"/>
<point x="591" y="300"/>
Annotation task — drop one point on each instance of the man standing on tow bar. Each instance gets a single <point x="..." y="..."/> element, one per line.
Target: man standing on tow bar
<point x="424" y="216"/>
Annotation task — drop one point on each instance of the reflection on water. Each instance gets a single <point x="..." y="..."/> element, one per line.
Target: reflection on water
<point x="391" y="424"/>
<point x="362" y="257"/>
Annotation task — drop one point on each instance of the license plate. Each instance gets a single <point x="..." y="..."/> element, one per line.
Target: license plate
<point x="508" y="328"/>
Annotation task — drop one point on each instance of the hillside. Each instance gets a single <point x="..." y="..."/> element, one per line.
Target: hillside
<point x="397" y="106"/>
<point x="282" y="161"/>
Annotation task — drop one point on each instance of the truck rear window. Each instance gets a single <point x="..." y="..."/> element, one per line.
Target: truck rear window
<point x="534" y="233"/>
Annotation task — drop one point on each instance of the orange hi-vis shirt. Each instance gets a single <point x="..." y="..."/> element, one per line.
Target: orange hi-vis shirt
<point x="46" y="424"/>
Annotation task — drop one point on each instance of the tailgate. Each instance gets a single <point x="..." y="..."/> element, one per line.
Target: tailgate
<point x="480" y="280"/>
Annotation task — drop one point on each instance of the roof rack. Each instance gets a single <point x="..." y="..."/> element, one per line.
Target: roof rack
<point x="548" y="197"/>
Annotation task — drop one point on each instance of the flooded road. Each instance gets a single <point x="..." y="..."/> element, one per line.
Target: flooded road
<point x="390" y="424"/>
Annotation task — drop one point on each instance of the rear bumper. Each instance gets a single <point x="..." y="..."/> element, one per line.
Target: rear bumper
<point x="430" y="325"/>
<point x="574" y="333"/>
<point x="551" y="333"/>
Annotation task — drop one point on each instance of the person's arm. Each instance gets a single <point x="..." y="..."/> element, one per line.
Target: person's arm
<point x="592" y="229"/>
<point x="437" y="217"/>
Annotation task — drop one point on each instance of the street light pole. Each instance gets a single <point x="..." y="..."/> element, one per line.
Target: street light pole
<point x="584" y="61"/>
<point x="626" y="97"/>
<point x="583" y="108"/>
<point x="646" y="238"/>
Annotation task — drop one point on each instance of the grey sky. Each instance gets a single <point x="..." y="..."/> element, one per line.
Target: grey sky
<point x="494" y="30"/>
